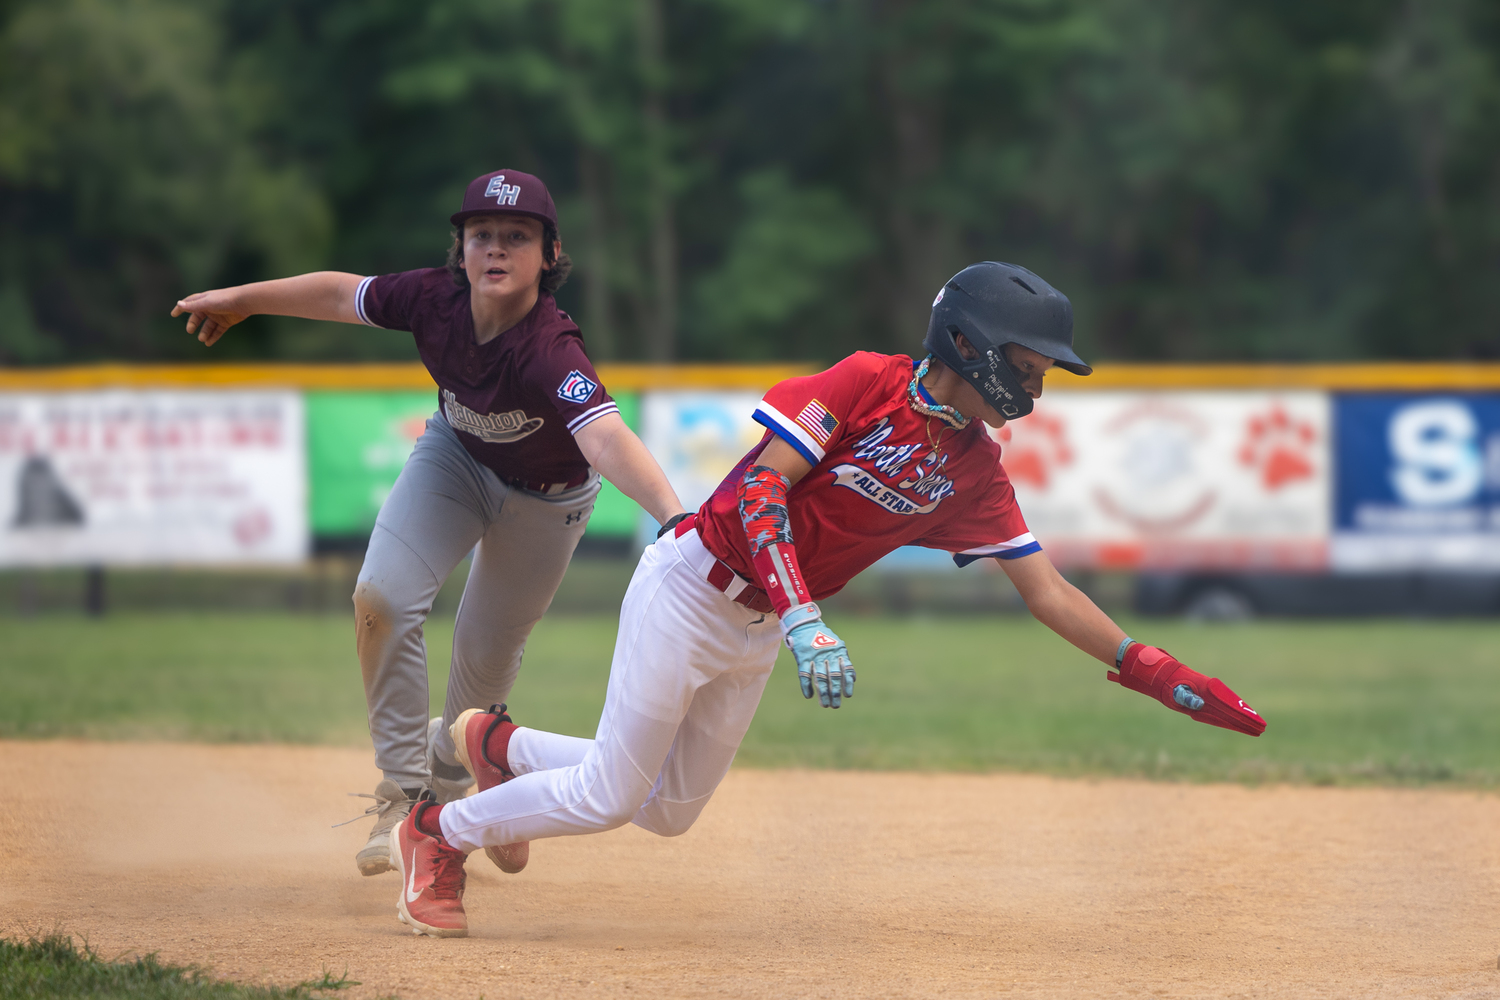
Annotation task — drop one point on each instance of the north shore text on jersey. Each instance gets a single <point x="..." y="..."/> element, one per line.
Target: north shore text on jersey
<point x="877" y="483"/>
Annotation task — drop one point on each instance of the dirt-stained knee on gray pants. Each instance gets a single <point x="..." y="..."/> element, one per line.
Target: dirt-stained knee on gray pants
<point x="372" y="630"/>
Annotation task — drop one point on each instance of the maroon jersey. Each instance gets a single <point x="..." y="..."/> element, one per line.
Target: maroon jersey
<point x="877" y="483"/>
<point x="516" y="401"/>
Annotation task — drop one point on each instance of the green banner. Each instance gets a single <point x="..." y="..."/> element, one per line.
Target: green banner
<point x="357" y="443"/>
<point x="615" y="514"/>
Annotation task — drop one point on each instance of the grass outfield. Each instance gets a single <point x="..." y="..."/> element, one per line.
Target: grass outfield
<point x="55" y="967"/>
<point x="1347" y="702"/>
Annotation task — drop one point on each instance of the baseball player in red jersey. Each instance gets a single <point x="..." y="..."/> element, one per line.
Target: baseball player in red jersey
<point x="870" y="455"/>
<point x="506" y="468"/>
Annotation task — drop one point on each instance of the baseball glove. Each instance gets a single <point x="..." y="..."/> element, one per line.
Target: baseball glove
<point x="1156" y="673"/>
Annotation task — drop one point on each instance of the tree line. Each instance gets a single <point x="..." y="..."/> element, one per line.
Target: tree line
<point x="747" y="179"/>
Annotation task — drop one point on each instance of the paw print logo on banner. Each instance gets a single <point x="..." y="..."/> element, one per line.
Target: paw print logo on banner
<point x="1278" y="447"/>
<point x="1033" y="450"/>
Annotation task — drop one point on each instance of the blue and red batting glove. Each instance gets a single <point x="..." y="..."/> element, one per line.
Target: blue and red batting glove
<point x="823" y="665"/>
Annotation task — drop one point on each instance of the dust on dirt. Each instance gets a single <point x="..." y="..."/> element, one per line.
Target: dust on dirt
<point x="794" y="883"/>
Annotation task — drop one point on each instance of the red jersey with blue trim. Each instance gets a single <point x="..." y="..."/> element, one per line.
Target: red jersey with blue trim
<point x="877" y="482"/>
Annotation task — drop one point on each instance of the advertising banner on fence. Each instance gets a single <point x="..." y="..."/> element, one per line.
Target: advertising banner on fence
<point x="1235" y="480"/>
<point x="138" y="478"/>
<point x="698" y="437"/>
<point x="357" y="443"/>
<point x="1418" y="483"/>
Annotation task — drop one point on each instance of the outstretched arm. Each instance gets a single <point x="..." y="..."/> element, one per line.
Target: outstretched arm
<point x="327" y="295"/>
<point x="1153" y="672"/>
<point x="1062" y="607"/>
<point x="618" y="455"/>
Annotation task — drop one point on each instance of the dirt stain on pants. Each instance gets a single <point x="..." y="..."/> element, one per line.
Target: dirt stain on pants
<point x="372" y="631"/>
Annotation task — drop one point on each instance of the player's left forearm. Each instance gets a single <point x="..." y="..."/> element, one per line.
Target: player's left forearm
<point x="1064" y="608"/>
<point x="618" y="455"/>
<point x="1071" y="614"/>
<point x="1068" y="611"/>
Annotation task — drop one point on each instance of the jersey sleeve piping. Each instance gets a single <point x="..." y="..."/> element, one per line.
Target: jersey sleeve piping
<point x="587" y="417"/>
<point x="787" y="429"/>
<point x="1022" y="545"/>
<point x="359" y="302"/>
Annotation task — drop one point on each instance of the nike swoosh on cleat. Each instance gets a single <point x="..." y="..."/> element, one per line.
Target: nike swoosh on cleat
<point x="411" y="879"/>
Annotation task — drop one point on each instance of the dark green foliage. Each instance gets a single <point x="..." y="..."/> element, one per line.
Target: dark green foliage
<point x="52" y="966"/>
<point x="768" y="178"/>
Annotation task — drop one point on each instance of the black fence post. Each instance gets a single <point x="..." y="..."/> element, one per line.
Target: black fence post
<point x="28" y="594"/>
<point x="93" y="592"/>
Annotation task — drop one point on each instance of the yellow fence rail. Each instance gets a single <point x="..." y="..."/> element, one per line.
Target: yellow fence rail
<point x="623" y="377"/>
<point x="1353" y="377"/>
<point x="1370" y="376"/>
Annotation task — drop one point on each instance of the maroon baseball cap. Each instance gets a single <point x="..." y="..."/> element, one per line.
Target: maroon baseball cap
<point x="507" y="191"/>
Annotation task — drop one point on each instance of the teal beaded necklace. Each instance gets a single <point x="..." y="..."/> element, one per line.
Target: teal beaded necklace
<point x="921" y="400"/>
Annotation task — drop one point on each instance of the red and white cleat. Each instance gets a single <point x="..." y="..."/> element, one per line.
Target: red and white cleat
<point x="480" y="738"/>
<point x="432" y="879"/>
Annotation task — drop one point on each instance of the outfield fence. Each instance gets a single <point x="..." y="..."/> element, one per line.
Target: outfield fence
<point x="1351" y="468"/>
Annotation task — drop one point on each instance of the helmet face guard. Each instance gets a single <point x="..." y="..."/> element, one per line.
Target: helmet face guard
<point x="990" y="373"/>
<point x="994" y="304"/>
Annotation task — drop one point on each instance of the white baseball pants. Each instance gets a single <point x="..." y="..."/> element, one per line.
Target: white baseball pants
<point x="688" y="672"/>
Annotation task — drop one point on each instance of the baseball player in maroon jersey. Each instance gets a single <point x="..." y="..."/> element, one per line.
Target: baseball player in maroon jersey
<point x="870" y="455"/>
<point x="508" y="468"/>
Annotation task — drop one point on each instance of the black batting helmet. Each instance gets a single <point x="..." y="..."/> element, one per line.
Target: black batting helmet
<point x="994" y="304"/>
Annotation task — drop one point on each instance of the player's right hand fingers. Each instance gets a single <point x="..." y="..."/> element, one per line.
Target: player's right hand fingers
<point x="215" y="325"/>
<point x="831" y="669"/>
<point x="804" y="676"/>
<point x="820" y="680"/>
<point x="848" y="679"/>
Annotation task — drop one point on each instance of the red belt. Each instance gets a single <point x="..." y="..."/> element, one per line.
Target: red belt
<point x="550" y="488"/>
<point x="724" y="579"/>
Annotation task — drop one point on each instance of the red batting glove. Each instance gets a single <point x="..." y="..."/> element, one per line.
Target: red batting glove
<point x="1156" y="673"/>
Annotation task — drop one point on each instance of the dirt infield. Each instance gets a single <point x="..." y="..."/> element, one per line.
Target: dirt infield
<point x="814" y="884"/>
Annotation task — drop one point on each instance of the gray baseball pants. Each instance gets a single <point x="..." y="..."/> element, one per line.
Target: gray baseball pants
<point x="444" y="505"/>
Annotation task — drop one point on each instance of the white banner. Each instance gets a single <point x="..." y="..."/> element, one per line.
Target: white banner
<point x="1232" y="480"/>
<point x="698" y="437"/>
<point x="137" y="478"/>
<point x="1236" y="480"/>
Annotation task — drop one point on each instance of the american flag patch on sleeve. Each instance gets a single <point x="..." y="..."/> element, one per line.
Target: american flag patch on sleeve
<point x="817" y="421"/>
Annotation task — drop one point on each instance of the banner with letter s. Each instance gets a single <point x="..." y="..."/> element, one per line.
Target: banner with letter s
<point x="1418" y="481"/>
